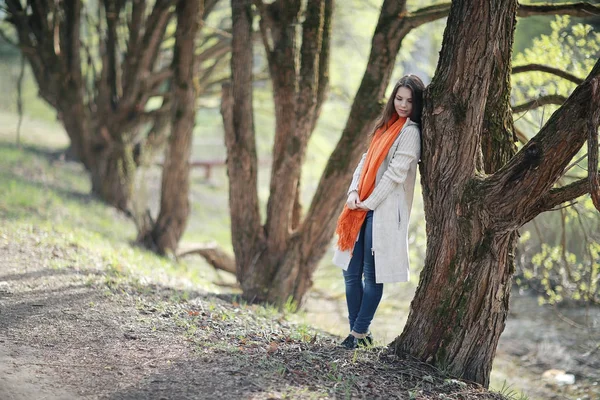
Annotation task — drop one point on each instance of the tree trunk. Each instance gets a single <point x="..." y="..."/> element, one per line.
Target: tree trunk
<point x="112" y="172"/>
<point x="108" y="160"/>
<point x="174" y="204"/>
<point x="299" y="92"/>
<point x="461" y="304"/>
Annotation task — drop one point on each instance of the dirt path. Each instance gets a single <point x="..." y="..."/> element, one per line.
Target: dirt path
<point x="76" y="333"/>
<point x="66" y="334"/>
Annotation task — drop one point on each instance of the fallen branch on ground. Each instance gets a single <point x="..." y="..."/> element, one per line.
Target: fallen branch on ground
<point x="214" y="255"/>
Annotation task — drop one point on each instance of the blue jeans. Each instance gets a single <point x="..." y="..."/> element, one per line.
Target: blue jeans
<point x="362" y="297"/>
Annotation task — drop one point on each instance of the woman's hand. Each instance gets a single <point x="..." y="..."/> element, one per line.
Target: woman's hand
<point x="361" y="206"/>
<point x="353" y="200"/>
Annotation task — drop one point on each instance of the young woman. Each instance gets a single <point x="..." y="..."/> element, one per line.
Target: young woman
<point x="373" y="227"/>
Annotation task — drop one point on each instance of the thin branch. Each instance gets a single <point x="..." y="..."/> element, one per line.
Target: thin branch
<point x="563" y="206"/>
<point x="207" y="72"/>
<point x="223" y="46"/>
<point x="563" y="245"/>
<point x="539" y="102"/>
<point x="159" y="77"/>
<point x="310" y="52"/>
<point x="20" y="99"/>
<point x="538" y="232"/>
<point x="218" y="31"/>
<point x="209" y="6"/>
<point x="135" y="22"/>
<point x="214" y="255"/>
<point x="8" y="40"/>
<point x="582" y="9"/>
<point x="263" y="25"/>
<point x="437" y="11"/>
<point x="145" y="53"/>
<point x="149" y="116"/>
<point x="426" y="14"/>
<point x="550" y="70"/>
<point x="566" y="193"/>
<point x="112" y="14"/>
<point x="521" y="135"/>
<point x="576" y="162"/>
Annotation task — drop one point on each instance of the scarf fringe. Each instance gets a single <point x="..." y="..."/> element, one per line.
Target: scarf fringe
<point x="349" y="223"/>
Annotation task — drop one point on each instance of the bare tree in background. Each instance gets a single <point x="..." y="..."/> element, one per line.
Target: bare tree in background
<point x="268" y="259"/>
<point x="99" y="68"/>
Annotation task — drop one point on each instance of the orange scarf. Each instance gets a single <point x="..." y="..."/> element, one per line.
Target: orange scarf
<point x="350" y="221"/>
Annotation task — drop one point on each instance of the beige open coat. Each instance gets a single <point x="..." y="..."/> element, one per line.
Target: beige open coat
<point x="391" y="201"/>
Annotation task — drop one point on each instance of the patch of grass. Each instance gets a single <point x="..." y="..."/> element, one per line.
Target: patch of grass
<point x="507" y="391"/>
<point x="49" y="200"/>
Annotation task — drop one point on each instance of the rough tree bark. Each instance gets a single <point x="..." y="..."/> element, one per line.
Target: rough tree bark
<point x="477" y="198"/>
<point x="164" y="235"/>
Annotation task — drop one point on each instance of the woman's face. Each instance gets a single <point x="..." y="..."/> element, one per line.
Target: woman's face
<point x="403" y="102"/>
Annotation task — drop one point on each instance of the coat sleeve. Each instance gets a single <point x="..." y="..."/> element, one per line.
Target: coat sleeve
<point x="356" y="175"/>
<point x="408" y="150"/>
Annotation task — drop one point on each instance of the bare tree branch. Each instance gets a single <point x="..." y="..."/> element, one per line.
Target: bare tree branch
<point x="134" y="25"/>
<point x="159" y="77"/>
<point x="558" y="196"/>
<point x="214" y="255"/>
<point x="324" y="62"/>
<point x="7" y="39"/>
<point x="426" y="14"/>
<point x="150" y="116"/>
<point x="217" y="31"/>
<point x="20" y="99"/>
<point x="582" y="9"/>
<point x="563" y="245"/>
<point x="312" y="35"/>
<point x="265" y="25"/>
<point x="112" y="12"/>
<point x="223" y="46"/>
<point x="437" y="11"/>
<point x="521" y="136"/>
<point x="544" y="68"/>
<point x="539" y="102"/>
<point x="145" y="54"/>
<point x="208" y="72"/>
<point x="209" y="6"/>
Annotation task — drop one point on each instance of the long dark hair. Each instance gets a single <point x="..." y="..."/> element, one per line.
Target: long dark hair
<point x="416" y="86"/>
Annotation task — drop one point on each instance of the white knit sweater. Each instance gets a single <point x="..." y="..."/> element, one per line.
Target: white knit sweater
<point x="391" y="201"/>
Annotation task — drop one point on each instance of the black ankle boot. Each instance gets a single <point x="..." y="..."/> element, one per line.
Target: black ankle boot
<point x="367" y="341"/>
<point x="351" y="342"/>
